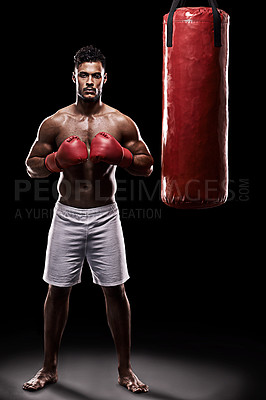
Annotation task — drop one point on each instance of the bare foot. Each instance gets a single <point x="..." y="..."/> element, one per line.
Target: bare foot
<point x="132" y="382"/>
<point x="41" y="379"/>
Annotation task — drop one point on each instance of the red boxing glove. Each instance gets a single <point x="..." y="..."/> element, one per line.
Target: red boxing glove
<point x="71" y="152"/>
<point x="105" y="147"/>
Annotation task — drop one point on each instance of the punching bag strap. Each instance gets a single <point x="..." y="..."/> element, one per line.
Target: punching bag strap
<point x="216" y="21"/>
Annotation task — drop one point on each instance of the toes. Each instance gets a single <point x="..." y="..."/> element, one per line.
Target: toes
<point x="135" y="388"/>
<point x="33" y="384"/>
<point x="28" y="387"/>
<point x="142" y="386"/>
<point x="133" y="384"/>
<point x="145" y="387"/>
<point x="40" y="380"/>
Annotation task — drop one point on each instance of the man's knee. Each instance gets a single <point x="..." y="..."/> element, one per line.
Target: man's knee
<point x="114" y="292"/>
<point x="56" y="293"/>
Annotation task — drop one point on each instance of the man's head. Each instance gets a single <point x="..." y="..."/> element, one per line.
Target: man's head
<point x="89" y="73"/>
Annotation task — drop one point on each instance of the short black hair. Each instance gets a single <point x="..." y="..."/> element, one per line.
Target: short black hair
<point x="89" y="54"/>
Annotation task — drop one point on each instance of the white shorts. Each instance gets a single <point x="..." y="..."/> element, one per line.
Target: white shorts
<point x="92" y="233"/>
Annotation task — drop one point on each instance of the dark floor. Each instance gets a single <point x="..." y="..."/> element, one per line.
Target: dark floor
<point x="87" y="371"/>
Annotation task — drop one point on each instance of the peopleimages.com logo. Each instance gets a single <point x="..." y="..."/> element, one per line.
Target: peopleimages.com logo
<point x="41" y="190"/>
<point x="127" y="189"/>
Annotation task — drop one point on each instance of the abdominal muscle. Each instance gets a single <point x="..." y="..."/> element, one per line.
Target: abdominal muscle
<point x="87" y="185"/>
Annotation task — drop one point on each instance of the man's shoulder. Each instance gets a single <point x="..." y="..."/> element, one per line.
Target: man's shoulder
<point x="51" y="125"/>
<point x="61" y="115"/>
<point x="119" y="118"/>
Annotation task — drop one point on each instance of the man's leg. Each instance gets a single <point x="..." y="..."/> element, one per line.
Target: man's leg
<point x="55" y="317"/>
<point x="119" y="321"/>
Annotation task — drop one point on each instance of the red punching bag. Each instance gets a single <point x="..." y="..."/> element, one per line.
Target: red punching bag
<point x="195" y="106"/>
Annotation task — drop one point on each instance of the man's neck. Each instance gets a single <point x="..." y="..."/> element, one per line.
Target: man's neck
<point x="88" y="108"/>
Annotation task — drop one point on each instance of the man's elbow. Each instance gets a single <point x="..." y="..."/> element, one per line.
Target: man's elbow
<point x="33" y="171"/>
<point x="28" y="168"/>
<point x="30" y="172"/>
<point x="148" y="171"/>
<point x="148" y="168"/>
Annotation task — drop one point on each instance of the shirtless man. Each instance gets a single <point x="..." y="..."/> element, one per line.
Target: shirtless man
<point x="85" y="142"/>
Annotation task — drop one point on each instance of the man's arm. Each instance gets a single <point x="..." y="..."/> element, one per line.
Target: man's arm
<point x="42" y="146"/>
<point x="130" y="152"/>
<point x="142" y="164"/>
<point x="42" y="160"/>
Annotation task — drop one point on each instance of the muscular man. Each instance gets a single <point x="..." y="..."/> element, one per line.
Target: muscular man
<point x="85" y="142"/>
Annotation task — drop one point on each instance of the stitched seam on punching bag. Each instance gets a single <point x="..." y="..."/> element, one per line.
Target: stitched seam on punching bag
<point x="194" y="22"/>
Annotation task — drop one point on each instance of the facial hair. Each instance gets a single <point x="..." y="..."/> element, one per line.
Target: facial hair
<point x="93" y="99"/>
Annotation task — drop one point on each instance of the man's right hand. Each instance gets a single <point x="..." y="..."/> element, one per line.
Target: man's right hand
<point x="71" y="152"/>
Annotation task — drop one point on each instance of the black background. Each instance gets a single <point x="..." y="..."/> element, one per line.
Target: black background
<point x="197" y="272"/>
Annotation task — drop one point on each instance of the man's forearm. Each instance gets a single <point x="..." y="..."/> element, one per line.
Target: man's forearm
<point x="142" y="165"/>
<point x="36" y="167"/>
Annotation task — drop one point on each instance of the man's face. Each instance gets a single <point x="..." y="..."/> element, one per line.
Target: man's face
<point x="89" y="78"/>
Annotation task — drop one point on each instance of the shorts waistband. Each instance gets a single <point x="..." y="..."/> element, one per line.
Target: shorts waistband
<point x="85" y="211"/>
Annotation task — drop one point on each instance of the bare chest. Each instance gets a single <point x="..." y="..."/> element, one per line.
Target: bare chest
<point x="86" y="128"/>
